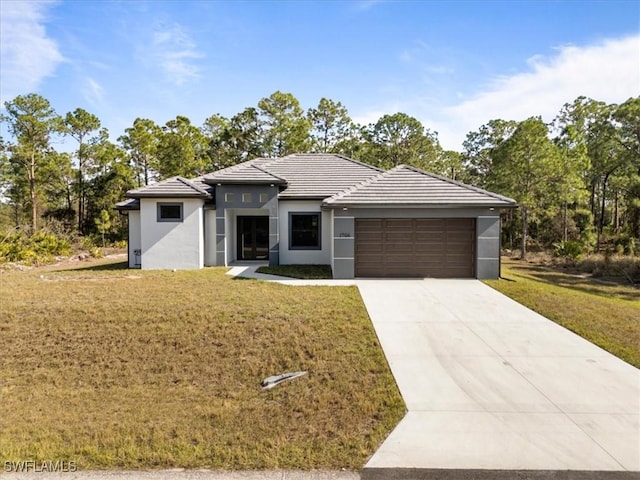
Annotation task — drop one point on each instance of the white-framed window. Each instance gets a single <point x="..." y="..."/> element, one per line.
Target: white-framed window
<point x="170" y="212"/>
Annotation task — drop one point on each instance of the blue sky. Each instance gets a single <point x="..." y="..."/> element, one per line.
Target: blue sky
<point x="454" y="65"/>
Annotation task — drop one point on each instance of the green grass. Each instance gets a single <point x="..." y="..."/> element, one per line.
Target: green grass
<point x="309" y="272"/>
<point x="607" y="314"/>
<point x="116" y="368"/>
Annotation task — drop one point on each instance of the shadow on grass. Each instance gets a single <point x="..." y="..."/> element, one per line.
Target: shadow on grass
<point x="114" y="266"/>
<point x="587" y="285"/>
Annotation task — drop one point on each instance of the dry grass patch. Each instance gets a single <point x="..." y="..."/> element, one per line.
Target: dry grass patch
<point x="120" y="369"/>
<point x="604" y="313"/>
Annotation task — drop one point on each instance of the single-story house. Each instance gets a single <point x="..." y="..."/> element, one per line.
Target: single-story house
<point x="318" y="209"/>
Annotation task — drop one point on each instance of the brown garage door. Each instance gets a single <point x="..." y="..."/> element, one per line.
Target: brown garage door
<point x="415" y="247"/>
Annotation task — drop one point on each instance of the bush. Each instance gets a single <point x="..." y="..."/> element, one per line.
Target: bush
<point x="40" y="247"/>
<point x="571" y="249"/>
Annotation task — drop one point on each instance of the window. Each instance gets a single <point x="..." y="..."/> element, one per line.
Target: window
<point x="304" y="231"/>
<point x="170" y="212"/>
<point x="264" y="198"/>
<point x="229" y="197"/>
<point x="246" y="198"/>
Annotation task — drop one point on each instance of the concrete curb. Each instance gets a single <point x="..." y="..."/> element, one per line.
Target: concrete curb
<point x="460" y="474"/>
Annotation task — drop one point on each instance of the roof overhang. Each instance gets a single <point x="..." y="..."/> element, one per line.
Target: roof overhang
<point x="165" y="195"/>
<point x="426" y="206"/>
<point x="128" y="205"/>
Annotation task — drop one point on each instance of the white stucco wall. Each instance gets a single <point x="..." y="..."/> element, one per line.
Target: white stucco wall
<point x="168" y="245"/>
<point x="209" y="237"/>
<point x="311" y="257"/>
<point x="134" y="237"/>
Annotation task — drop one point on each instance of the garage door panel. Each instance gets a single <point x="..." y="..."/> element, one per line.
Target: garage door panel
<point x="433" y="247"/>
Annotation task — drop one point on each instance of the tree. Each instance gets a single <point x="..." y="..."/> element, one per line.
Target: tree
<point x="524" y="167"/>
<point x="479" y="146"/>
<point x="331" y="126"/>
<point x="111" y="177"/>
<point x="285" y="128"/>
<point x="400" y="139"/>
<point x="80" y="124"/>
<point x="231" y="141"/>
<point x="627" y="118"/>
<point x="103" y="224"/>
<point x="32" y="122"/>
<point x="141" y="143"/>
<point x="607" y="156"/>
<point x="182" y="150"/>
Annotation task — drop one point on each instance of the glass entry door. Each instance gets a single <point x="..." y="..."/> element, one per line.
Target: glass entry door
<point x="253" y="238"/>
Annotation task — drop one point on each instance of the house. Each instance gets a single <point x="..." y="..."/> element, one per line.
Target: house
<point x="318" y="209"/>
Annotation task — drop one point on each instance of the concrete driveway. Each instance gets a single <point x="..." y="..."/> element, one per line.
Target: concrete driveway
<point x="492" y="388"/>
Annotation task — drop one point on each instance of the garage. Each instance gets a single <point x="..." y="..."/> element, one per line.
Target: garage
<point x="415" y="247"/>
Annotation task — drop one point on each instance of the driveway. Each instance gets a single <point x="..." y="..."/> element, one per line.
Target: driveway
<point x="492" y="388"/>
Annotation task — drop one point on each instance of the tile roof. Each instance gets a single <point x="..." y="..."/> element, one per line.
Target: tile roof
<point x="246" y="172"/>
<point x="317" y="175"/>
<point x="173" y="187"/>
<point x="128" y="204"/>
<point x="407" y="186"/>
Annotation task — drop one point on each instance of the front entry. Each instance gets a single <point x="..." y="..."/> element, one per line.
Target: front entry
<point x="253" y="238"/>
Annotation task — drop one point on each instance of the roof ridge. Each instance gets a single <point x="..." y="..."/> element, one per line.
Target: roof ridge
<point x="145" y="187"/>
<point x="269" y="173"/>
<point x="188" y="183"/>
<point x="330" y="154"/>
<point x="353" y="188"/>
<point x="455" y="182"/>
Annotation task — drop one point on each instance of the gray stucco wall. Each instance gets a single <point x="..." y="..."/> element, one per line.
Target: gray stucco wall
<point x="230" y="201"/>
<point x="487" y="235"/>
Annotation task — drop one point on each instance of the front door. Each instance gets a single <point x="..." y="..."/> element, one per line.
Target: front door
<point x="253" y="238"/>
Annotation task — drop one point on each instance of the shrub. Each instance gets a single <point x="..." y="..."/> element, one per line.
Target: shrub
<point x="570" y="249"/>
<point x="40" y="247"/>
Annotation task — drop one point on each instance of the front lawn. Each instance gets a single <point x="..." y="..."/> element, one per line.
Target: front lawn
<point x="605" y="313"/>
<point x="115" y="368"/>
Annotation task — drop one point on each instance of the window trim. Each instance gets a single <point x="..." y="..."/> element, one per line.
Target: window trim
<point x="159" y="217"/>
<point x="293" y="247"/>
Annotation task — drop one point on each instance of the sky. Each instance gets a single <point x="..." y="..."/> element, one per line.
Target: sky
<point x="454" y="65"/>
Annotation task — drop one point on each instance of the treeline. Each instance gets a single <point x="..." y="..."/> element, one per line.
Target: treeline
<point x="577" y="180"/>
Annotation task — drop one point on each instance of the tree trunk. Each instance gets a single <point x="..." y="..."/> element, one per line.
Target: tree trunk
<point x="616" y="213"/>
<point x="525" y="229"/>
<point x="565" y="227"/>
<point x="80" y="197"/>
<point x="602" y="210"/>
<point x="32" y="192"/>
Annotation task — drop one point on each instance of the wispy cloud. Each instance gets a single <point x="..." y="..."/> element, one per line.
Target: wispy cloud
<point x="175" y="52"/>
<point x="28" y="54"/>
<point x="93" y="92"/>
<point x="364" y="5"/>
<point x="608" y="71"/>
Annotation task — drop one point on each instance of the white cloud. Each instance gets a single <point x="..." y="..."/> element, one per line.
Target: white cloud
<point x="608" y="71"/>
<point x="175" y="52"/>
<point x="28" y="54"/>
<point x="93" y="92"/>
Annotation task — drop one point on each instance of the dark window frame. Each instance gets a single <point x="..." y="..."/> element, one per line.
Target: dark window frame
<point x="162" y="219"/>
<point x="292" y="246"/>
